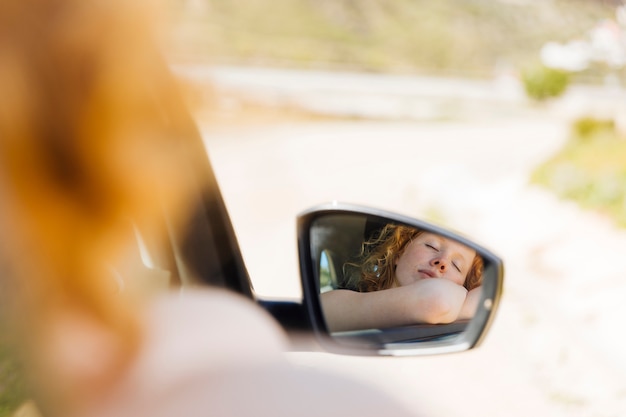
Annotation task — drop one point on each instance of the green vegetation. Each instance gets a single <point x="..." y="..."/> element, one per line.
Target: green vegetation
<point x="590" y="169"/>
<point x="12" y="388"/>
<point x="456" y="37"/>
<point x="542" y="83"/>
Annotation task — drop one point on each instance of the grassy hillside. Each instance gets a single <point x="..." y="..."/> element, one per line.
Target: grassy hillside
<point x="472" y="37"/>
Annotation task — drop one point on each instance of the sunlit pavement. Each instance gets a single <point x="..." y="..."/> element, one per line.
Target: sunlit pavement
<point x="556" y="347"/>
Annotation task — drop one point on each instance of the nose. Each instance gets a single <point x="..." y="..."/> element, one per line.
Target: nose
<point x="440" y="264"/>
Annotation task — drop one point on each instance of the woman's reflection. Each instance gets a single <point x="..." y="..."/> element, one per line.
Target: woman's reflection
<point x="405" y="276"/>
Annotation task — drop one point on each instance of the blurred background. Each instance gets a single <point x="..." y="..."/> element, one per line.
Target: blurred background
<point x="504" y="120"/>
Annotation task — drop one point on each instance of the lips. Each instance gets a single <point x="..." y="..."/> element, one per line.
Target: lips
<point x="427" y="273"/>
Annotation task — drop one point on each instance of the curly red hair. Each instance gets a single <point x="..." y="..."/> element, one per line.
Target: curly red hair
<point x="374" y="268"/>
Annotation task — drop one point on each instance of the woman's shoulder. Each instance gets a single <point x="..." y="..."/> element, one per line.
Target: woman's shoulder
<point x="214" y="353"/>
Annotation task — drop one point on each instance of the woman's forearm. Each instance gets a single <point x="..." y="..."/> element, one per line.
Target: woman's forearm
<point x="436" y="301"/>
<point x="430" y="301"/>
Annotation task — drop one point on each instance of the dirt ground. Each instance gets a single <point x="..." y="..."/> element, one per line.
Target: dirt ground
<point x="556" y="348"/>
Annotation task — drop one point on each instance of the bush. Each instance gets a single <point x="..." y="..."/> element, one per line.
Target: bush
<point x="590" y="169"/>
<point x="589" y="127"/>
<point x="542" y="83"/>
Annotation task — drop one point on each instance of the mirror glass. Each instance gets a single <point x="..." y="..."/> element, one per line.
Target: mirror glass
<point x="383" y="282"/>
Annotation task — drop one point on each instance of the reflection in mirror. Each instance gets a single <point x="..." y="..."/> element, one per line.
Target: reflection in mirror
<point x="375" y="275"/>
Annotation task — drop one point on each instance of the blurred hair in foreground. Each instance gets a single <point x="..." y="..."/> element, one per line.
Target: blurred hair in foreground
<point x="89" y="124"/>
<point x="94" y="142"/>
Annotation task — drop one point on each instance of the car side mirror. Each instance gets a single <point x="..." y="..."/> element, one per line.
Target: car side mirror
<point x="376" y="282"/>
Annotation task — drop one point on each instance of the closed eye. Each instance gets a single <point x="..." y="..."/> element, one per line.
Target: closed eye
<point x="432" y="247"/>
<point x="457" y="268"/>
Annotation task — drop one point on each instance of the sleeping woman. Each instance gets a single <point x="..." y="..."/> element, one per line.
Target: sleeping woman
<point x="406" y="276"/>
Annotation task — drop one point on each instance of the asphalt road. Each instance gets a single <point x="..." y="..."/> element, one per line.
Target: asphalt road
<point x="556" y="347"/>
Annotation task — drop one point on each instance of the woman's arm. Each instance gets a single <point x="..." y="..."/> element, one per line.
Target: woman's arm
<point x="427" y="301"/>
<point x="471" y="302"/>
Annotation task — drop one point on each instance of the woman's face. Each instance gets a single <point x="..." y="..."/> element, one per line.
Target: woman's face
<point x="432" y="256"/>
